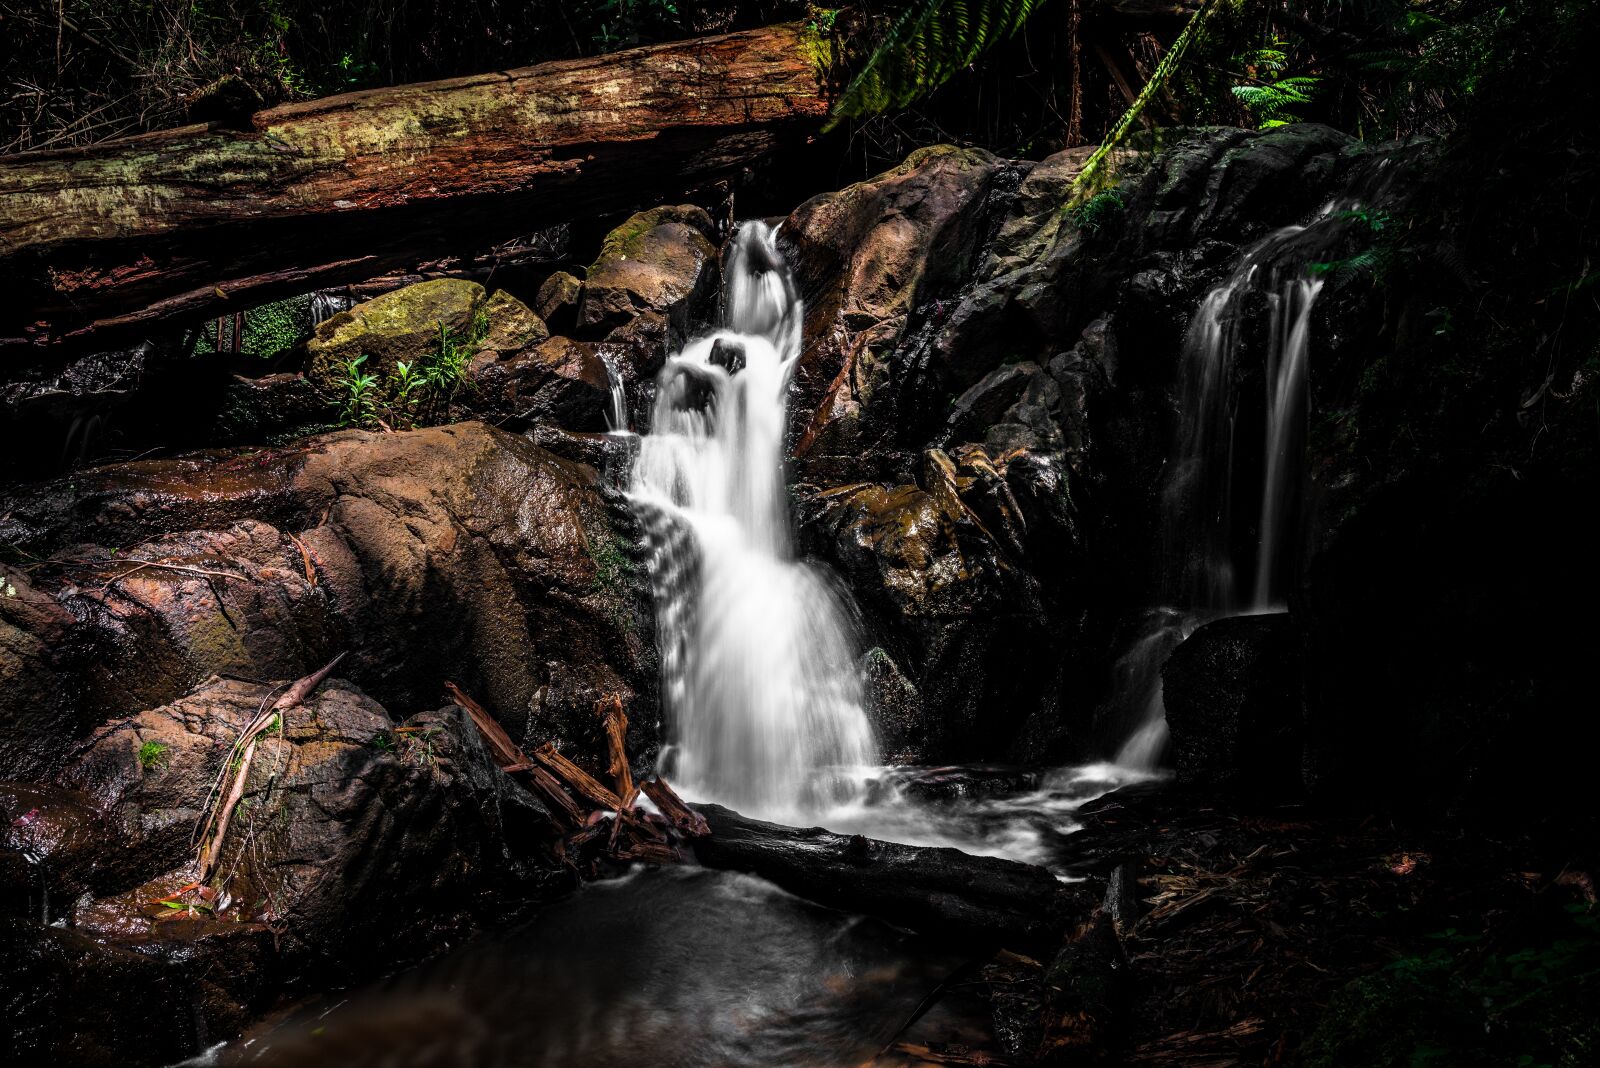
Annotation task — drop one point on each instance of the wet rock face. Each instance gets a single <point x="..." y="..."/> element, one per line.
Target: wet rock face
<point x="50" y="850"/>
<point x="66" y="999"/>
<point x="350" y="825"/>
<point x="661" y="261"/>
<point x="994" y="379"/>
<point x="1232" y="693"/>
<point x="556" y="382"/>
<point x="960" y="620"/>
<point x="458" y="553"/>
<point x="867" y="257"/>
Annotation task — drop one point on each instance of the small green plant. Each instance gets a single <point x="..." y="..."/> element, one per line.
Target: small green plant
<point x="419" y="744"/>
<point x="152" y="754"/>
<point x="822" y="19"/>
<point x="611" y="568"/>
<point x="359" y="404"/>
<point x="1270" y="96"/>
<point x="383" y="742"/>
<point x="1095" y="212"/>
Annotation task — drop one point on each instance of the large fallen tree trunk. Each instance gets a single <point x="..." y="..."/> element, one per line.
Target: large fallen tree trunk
<point x="201" y="220"/>
<point x="943" y="892"/>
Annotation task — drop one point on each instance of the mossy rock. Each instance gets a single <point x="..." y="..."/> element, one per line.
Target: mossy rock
<point x="402" y="325"/>
<point x="659" y="260"/>
<point x="512" y="326"/>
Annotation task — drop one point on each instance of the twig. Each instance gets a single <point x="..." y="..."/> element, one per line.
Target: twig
<point x="215" y="829"/>
<point x="198" y="572"/>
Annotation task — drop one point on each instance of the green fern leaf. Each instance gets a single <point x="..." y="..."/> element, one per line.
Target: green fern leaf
<point x="924" y="48"/>
<point x="1158" y="79"/>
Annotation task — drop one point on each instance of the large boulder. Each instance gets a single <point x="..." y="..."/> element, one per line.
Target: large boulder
<point x="959" y="621"/>
<point x="402" y="325"/>
<point x="1232" y="694"/>
<point x="866" y="257"/>
<point x="349" y="827"/>
<point x="460" y="552"/>
<point x="558" y="382"/>
<point x="661" y="261"/>
<point x="356" y="845"/>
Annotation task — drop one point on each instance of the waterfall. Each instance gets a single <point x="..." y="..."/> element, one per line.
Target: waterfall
<point x="326" y="303"/>
<point x="1198" y="521"/>
<point x="1286" y="419"/>
<point x="761" y="693"/>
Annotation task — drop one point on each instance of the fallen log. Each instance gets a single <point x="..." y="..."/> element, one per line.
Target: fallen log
<point x="986" y="901"/>
<point x="204" y="220"/>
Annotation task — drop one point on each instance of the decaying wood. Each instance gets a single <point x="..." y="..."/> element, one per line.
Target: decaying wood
<point x="236" y="769"/>
<point x="940" y="891"/>
<point x="206" y="220"/>
<point x="599" y="822"/>
<point x="587" y="786"/>
<point x="685" y="820"/>
<point x="504" y="749"/>
<point x="616" y="724"/>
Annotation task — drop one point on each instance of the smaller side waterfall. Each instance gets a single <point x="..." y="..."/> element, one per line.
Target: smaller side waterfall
<point x="1200" y="523"/>
<point x="1287" y="404"/>
<point x="759" y="679"/>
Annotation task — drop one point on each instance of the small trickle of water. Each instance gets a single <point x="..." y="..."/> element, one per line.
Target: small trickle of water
<point x="1198" y="519"/>
<point x="761" y="693"/>
<point x="326" y="304"/>
<point x="617" y="401"/>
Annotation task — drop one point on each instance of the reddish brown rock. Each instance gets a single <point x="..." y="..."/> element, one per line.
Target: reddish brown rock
<point x="458" y="552"/>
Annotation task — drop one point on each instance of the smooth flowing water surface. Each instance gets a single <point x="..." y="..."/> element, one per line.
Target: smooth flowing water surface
<point x="762" y="699"/>
<point x="682" y="966"/>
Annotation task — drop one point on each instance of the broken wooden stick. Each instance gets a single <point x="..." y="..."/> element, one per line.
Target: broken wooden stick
<point x="600" y="822"/>
<point x="581" y="782"/>
<point x="609" y="709"/>
<point x="685" y="820"/>
<point x="214" y="831"/>
<point x="505" y="750"/>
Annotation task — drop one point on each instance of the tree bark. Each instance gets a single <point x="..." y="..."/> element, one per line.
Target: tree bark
<point x="202" y="220"/>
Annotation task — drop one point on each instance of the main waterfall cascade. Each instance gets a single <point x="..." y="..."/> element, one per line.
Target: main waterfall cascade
<point x="1198" y="508"/>
<point x="761" y="692"/>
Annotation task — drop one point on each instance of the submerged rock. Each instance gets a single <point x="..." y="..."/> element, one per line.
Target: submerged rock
<point x="67" y="999"/>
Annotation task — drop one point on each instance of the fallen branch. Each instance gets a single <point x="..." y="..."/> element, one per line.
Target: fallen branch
<point x="616" y="724"/>
<point x="685" y="820"/>
<point x="601" y="822"/>
<point x="214" y="830"/>
<point x="584" y="784"/>
<point x="199" y="572"/>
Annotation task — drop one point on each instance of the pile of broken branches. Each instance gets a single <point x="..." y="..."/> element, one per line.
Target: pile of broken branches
<point x="599" y="822"/>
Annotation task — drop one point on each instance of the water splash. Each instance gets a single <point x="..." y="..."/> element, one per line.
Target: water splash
<point x="761" y="693"/>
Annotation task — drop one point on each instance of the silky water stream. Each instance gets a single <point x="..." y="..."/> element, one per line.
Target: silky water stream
<point x="762" y="712"/>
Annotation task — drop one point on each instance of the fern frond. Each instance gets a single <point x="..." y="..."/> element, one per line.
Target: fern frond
<point x="1158" y="80"/>
<point x="924" y="48"/>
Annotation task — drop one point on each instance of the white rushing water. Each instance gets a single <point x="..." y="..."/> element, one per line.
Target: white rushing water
<point x="760" y="688"/>
<point x="1198" y="501"/>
